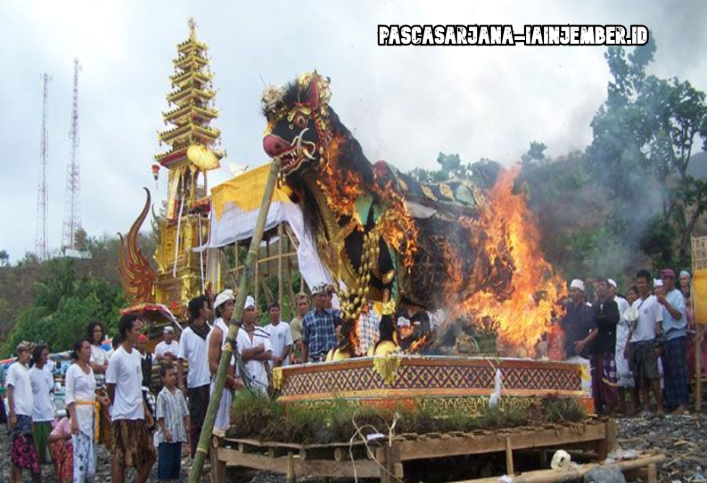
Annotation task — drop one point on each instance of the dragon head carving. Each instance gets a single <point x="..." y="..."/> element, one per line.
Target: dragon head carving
<point x="298" y="123"/>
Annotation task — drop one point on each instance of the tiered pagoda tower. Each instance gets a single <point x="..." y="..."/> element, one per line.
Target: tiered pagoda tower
<point x="193" y="152"/>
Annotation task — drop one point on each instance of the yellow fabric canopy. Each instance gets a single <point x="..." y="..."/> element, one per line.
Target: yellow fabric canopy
<point x="245" y="191"/>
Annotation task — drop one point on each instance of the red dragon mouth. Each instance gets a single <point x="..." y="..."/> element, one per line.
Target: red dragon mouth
<point x="291" y="161"/>
<point x="300" y="152"/>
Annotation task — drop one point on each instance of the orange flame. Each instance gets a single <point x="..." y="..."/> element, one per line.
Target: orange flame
<point x="522" y="306"/>
<point x="342" y="187"/>
<point x="419" y="343"/>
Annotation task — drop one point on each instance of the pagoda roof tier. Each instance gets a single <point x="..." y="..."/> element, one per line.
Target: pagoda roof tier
<point x="177" y="157"/>
<point x="178" y="80"/>
<point x="189" y="112"/>
<point x="179" y="97"/>
<point x="188" y="61"/>
<point x="190" y="45"/>
<point x="203" y="135"/>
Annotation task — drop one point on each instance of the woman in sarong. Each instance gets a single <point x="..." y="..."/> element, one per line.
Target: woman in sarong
<point x="96" y="333"/>
<point x="81" y="403"/>
<point x="62" y="450"/>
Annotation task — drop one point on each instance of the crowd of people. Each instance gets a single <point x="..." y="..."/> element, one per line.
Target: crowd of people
<point x="638" y="345"/>
<point x="107" y="396"/>
<point x="630" y="342"/>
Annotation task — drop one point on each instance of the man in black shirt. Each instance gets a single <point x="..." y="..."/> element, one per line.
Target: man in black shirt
<point x="413" y="324"/>
<point x="577" y="323"/>
<point x="605" y="312"/>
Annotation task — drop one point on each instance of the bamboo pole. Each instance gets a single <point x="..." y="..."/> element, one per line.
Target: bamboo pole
<point x="263" y="260"/>
<point x="509" y="457"/>
<point x="235" y="258"/>
<point x="556" y="476"/>
<point x="257" y="278"/>
<point x="280" y="286"/>
<point x="220" y="382"/>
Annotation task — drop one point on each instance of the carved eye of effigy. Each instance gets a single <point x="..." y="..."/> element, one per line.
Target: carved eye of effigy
<point x="300" y="122"/>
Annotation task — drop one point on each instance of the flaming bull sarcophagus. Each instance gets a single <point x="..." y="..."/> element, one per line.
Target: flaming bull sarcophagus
<point x="383" y="234"/>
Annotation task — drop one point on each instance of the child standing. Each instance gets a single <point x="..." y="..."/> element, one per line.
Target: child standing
<point x="173" y="422"/>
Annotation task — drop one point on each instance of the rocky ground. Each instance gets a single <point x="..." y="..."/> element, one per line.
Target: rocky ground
<point x="683" y="439"/>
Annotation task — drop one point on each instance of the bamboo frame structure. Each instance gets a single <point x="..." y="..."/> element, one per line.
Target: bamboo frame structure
<point x="284" y="257"/>
<point x="230" y="347"/>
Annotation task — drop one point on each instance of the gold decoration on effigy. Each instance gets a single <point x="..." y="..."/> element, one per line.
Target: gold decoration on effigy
<point x="388" y="308"/>
<point x="446" y="191"/>
<point x="202" y="157"/>
<point x="387" y="367"/>
<point x="278" y="378"/>
<point x="428" y="192"/>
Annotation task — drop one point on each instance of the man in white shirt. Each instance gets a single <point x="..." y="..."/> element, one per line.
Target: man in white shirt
<point x="43" y="411"/>
<point x="23" y="454"/>
<point x="193" y="350"/>
<point x="642" y="356"/>
<point x="132" y="444"/>
<point x="254" y="347"/>
<point x="168" y="349"/>
<point x="280" y="337"/>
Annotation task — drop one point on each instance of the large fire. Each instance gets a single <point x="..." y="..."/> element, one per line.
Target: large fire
<point x="513" y="288"/>
<point x="524" y="309"/>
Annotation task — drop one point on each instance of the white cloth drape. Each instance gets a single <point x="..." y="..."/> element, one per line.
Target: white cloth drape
<point x="236" y="224"/>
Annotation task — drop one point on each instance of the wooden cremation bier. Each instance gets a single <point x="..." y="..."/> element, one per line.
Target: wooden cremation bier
<point x="205" y="437"/>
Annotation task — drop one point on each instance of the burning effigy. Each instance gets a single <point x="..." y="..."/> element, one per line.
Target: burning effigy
<point x="468" y="251"/>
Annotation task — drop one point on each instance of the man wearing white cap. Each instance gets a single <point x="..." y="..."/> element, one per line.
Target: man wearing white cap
<point x="223" y="306"/>
<point x="168" y="349"/>
<point x="577" y="323"/>
<point x="255" y="350"/>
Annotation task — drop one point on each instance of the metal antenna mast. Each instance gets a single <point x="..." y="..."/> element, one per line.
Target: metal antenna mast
<point x="72" y="215"/>
<point x="41" y="243"/>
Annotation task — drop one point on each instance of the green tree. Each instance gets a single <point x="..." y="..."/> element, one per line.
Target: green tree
<point x="534" y="155"/>
<point x="81" y="239"/>
<point x="644" y="136"/>
<point x="60" y="284"/>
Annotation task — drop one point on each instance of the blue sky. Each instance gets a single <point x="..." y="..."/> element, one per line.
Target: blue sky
<point x="404" y="104"/>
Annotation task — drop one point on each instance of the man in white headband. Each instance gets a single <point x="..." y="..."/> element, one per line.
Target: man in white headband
<point x="577" y="322"/>
<point x="223" y="306"/>
<point x="254" y="347"/>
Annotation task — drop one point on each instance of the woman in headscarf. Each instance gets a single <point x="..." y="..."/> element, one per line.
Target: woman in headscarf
<point x="685" y="285"/>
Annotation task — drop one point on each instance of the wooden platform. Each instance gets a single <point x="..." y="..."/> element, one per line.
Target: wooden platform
<point x="386" y="459"/>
